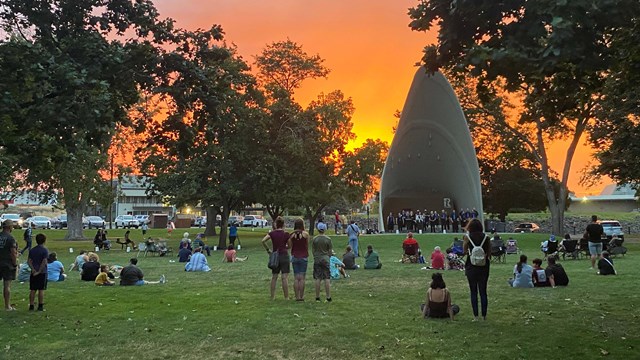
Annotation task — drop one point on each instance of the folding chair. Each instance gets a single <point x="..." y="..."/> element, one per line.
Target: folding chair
<point x="142" y="247"/>
<point x="512" y="247"/>
<point x="498" y="251"/>
<point x="570" y="249"/>
<point x="616" y="248"/>
<point x="552" y="250"/>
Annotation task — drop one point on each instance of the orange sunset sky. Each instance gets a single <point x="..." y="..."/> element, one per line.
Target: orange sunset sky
<point x="367" y="44"/>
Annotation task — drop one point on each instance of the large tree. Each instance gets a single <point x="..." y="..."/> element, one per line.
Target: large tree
<point x="554" y="55"/>
<point x="70" y="73"/>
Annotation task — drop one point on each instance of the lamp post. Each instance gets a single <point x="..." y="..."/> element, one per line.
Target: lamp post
<point x="368" y="224"/>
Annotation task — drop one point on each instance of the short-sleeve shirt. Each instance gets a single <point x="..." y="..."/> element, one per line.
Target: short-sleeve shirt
<point x="130" y="275"/>
<point x="233" y="230"/>
<point x="37" y="255"/>
<point x="322" y="247"/>
<point x="279" y="239"/>
<point x="102" y="278"/>
<point x="54" y="270"/>
<point x="595" y="232"/>
<point x="560" y="277"/>
<point x="183" y="254"/>
<point x="349" y="260"/>
<point x="7" y="242"/>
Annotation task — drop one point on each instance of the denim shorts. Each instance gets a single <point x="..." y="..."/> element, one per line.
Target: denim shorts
<point x="595" y="248"/>
<point x="299" y="265"/>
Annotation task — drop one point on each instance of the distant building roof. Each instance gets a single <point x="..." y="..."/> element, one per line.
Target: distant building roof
<point x="614" y="189"/>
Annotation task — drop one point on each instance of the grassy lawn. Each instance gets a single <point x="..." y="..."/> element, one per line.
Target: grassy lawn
<point x="227" y="313"/>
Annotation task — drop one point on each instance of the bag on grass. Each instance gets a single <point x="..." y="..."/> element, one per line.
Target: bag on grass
<point x="477" y="255"/>
<point x="274" y="260"/>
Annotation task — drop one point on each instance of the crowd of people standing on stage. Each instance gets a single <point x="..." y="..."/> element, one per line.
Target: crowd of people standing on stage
<point x="433" y="221"/>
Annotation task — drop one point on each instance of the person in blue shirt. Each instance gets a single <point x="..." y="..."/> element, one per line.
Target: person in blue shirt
<point x="184" y="254"/>
<point x="523" y="274"/>
<point x="27" y="238"/>
<point x="233" y="234"/>
<point x="38" y="280"/>
<point x="353" y="231"/>
<point x="55" y="269"/>
<point x="337" y="267"/>
<point x="198" y="262"/>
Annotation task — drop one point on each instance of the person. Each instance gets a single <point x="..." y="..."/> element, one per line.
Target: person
<point x="411" y="249"/>
<point x="103" y="277"/>
<point x="55" y="269"/>
<point x="353" y="231"/>
<point x="79" y="261"/>
<point x="349" y="259"/>
<point x="199" y="242"/>
<point x="539" y="275"/>
<point x="299" y="244"/>
<point x="24" y="272"/>
<point x="230" y="255"/>
<point x="8" y="262"/>
<point x="476" y="241"/>
<point x="132" y="275"/>
<point x="198" y="262"/>
<point x="437" y="259"/>
<point x="336" y="267"/>
<point x="561" y="246"/>
<point x="545" y="244"/>
<point x="127" y="241"/>
<point x="27" y="238"/>
<point x="170" y="227"/>
<point x="438" y="301"/>
<point x="605" y="265"/>
<point x="390" y="222"/>
<point x="100" y="240"/>
<point x="233" y="234"/>
<point x="186" y="241"/>
<point x="38" y="280"/>
<point x="371" y="259"/>
<point x="279" y="239"/>
<point x="556" y="274"/>
<point x="144" y="227"/>
<point x="91" y="268"/>
<point x="522" y="274"/>
<point x="320" y="221"/>
<point x="184" y="254"/>
<point x="322" y="248"/>
<point x="594" y="233"/>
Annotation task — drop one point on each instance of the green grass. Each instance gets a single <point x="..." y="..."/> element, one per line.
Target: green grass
<point x="227" y="313"/>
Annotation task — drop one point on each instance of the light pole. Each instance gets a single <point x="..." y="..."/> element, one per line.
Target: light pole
<point x="368" y="224"/>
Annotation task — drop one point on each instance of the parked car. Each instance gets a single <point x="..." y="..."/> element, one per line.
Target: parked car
<point x="235" y="219"/>
<point x="254" y="221"/>
<point x="142" y="219"/>
<point x="126" y="221"/>
<point x="612" y="228"/>
<point x="95" y="222"/>
<point x="60" y="222"/>
<point x="17" y="220"/>
<point x="201" y="221"/>
<point x="527" y="227"/>
<point x="39" y="222"/>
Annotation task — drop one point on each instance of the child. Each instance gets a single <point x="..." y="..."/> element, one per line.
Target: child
<point x="539" y="275"/>
<point x="103" y="277"/>
<point x="38" y="279"/>
<point x="336" y="267"/>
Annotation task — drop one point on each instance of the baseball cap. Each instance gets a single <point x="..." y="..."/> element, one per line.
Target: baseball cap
<point x="7" y="223"/>
<point x="322" y="227"/>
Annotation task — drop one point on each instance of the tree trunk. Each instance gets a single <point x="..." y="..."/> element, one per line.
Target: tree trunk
<point x="222" y="240"/>
<point x="312" y="221"/>
<point x="212" y="213"/>
<point x="75" y="210"/>
<point x="274" y="211"/>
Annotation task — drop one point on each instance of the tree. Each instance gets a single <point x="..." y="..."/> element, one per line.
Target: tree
<point x="69" y="77"/>
<point x="203" y="151"/>
<point x="554" y="55"/>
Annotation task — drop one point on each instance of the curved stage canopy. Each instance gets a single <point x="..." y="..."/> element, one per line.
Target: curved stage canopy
<point x="432" y="163"/>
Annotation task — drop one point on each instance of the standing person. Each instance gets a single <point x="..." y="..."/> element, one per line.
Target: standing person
<point x="170" y="227"/>
<point x="594" y="233"/>
<point x="38" y="280"/>
<point x="322" y="249"/>
<point x="454" y="220"/>
<point x="144" y="227"/>
<point x="299" y="244"/>
<point x="477" y="246"/>
<point x="338" y="223"/>
<point x="8" y="262"/>
<point x="279" y="239"/>
<point x="371" y="259"/>
<point x="390" y="222"/>
<point x="353" y="231"/>
<point x="233" y="234"/>
<point x="27" y="238"/>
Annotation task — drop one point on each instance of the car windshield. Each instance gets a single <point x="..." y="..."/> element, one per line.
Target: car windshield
<point x="11" y="216"/>
<point x="525" y="225"/>
<point x="39" y="218"/>
<point x="94" y="218"/>
<point x="611" y="224"/>
<point x="63" y="217"/>
<point x="248" y="218"/>
<point x="127" y="217"/>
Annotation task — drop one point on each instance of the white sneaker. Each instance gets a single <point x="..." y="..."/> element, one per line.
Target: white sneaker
<point x="163" y="279"/>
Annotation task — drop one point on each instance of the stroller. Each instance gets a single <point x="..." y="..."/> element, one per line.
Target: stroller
<point x="616" y="248"/>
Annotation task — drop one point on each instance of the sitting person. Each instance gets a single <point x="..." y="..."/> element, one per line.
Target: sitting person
<point x="198" y="262"/>
<point x="100" y="240"/>
<point x="522" y="274"/>
<point x="103" y="277"/>
<point x="336" y="267"/>
<point x="556" y="274"/>
<point x="230" y="255"/>
<point x="80" y="260"/>
<point x="127" y="241"/>
<point x="186" y="242"/>
<point x="561" y="247"/>
<point x="549" y="247"/>
<point x="199" y="242"/>
<point x="24" y="273"/>
<point x="91" y="268"/>
<point x="349" y="259"/>
<point x="539" y="275"/>
<point x="184" y="254"/>
<point x="438" y="301"/>
<point x="55" y="269"/>
<point x="437" y="259"/>
<point x="132" y="275"/>
<point x="456" y="247"/>
<point x="371" y="259"/>
<point x="411" y="248"/>
<point x="605" y="265"/>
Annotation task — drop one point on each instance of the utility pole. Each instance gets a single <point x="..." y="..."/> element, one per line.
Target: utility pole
<point x="112" y="192"/>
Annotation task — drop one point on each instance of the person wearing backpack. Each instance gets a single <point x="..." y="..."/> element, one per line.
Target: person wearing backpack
<point x="477" y="246"/>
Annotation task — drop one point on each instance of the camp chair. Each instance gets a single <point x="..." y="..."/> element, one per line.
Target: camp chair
<point x="512" y="247"/>
<point x="616" y="248"/>
<point x="457" y="247"/>
<point x="142" y="248"/>
<point x="552" y="250"/>
<point x="498" y="251"/>
<point x="570" y="249"/>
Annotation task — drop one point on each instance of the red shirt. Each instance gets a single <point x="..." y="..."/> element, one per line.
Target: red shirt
<point x="437" y="260"/>
<point x="410" y="246"/>
<point x="279" y="240"/>
<point x="299" y="246"/>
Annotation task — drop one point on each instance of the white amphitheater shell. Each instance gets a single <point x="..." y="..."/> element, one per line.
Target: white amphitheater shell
<point x="432" y="163"/>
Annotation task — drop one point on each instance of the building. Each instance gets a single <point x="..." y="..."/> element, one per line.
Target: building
<point x="613" y="198"/>
<point x="131" y="198"/>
